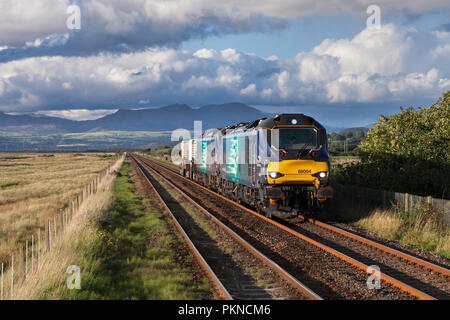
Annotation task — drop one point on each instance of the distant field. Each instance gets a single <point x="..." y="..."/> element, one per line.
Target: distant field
<point x="343" y="160"/>
<point x="33" y="188"/>
<point x="84" y="140"/>
<point x="344" y="157"/>
<point x="163" y="154"/>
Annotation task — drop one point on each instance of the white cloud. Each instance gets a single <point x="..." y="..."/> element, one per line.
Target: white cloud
<point x="27" y="20"/>
<point x="206" y="53"/>
<point x="249" y="90"/>
<point x="78" y="114"/>
<point x="136" y="23"/>
<point x="140" y="23"/>
<point x="389" y="64"/>
<point x="267" y="93"/>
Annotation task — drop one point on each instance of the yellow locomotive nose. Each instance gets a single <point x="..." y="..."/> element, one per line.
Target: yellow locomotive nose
<point x="297" y="172"/>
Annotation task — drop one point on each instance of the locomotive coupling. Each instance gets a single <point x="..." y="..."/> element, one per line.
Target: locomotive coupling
<point x="325" y="192"/>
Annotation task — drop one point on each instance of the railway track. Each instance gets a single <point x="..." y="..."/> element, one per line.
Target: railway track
<point x="281" y="285"/>
<point x="418" y="273"/>
<point x="412" y="275"/>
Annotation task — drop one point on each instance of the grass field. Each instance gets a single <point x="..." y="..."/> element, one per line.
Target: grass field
<point x="422" y="227"/>
<point x="135" y="257"/>
<point x="163" y="154"/>
<point x="336" y="161"/>
<point x="419" y="228"/>
<point x="125" y="249"/>
<point x="34" y="187"/>
<point x="344" y="157"/>
<point x="71" y="247"/>
<point x="84" y="140"/>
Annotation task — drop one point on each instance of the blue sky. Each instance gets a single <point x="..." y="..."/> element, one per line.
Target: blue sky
<point x="300" y="35"/>
<point x="279" y="56"/>
<point x="305" y="33"/>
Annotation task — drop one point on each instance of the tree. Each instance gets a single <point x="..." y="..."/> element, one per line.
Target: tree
<point x="407" y="152"/>
<point x="423" y="134"/>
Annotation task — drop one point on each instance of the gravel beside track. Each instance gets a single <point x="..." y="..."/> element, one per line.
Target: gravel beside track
<point x="428" y="281"/>
<point x="324" y="273"/>
<point x="243" y="274"/>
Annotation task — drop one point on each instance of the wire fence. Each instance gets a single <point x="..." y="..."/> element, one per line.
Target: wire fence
<point x="404" y="201"/>
<point x="26" y="259"/>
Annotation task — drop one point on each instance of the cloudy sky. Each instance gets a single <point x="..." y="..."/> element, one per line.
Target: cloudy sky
<point x="304" y="56"/>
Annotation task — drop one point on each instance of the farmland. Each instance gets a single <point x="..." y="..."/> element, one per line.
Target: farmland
<point x="34" y="187"/>
<point x="83" y="141"/>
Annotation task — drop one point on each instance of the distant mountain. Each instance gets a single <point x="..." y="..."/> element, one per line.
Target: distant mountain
<point x="156" y="119"/>
<point x="35" y="124"/>
<point x="38" y="132"/>
<point x="353" y="130"/>
<point x="331" y="129"/>
<point x="343" y="130"/>
<point x="176" y="116"/>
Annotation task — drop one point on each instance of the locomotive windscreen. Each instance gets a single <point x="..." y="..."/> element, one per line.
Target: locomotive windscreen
<point x="297" y="138"/>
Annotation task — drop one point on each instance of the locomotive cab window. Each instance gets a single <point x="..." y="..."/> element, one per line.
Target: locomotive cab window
<point x="297" y="138"/>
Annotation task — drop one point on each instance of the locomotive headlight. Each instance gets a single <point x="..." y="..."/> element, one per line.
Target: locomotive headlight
<point x="275" y="175"/>
<point x="322" y="174"/>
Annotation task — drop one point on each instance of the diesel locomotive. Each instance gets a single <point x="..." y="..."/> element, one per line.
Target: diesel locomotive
<point x="278" y="165"/>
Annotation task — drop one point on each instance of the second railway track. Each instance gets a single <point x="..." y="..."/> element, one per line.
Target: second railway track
<point x="412" y="275"/>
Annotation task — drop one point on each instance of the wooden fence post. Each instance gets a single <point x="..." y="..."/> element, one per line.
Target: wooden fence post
<point x="1" y="294"/>
<point x="48" y="235"/>
<point x="26" y="259"/>
<point x="12" y="277"/>
<point x="39" y="246"/>
<point x="20" y="260"/>
<point x="406" y="202"/>
<point x="54" y="227"/>
<point x="32" y="253"/>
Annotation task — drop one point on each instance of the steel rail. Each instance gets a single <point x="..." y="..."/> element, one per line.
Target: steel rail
<point x="414" y="260"/>
<point x="267" y="261"/>
<point x="221" y="288"/>
<point x="379" y="246"/>
<point x="394" y="282"/>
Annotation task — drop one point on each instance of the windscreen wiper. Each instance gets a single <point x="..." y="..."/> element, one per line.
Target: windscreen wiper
<point x="306" y="148"/>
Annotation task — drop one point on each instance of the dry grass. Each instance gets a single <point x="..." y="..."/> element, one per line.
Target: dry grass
<point x="34" y="187"/>
<point x="49" y="280"/>
<point x="106" y="239"/>
<point x="381" y="222"/>
<point x="419" y="228"/>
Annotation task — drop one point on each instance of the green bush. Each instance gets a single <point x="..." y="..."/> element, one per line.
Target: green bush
<point x="407" y="152"/>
